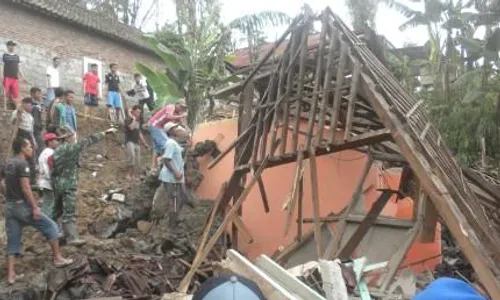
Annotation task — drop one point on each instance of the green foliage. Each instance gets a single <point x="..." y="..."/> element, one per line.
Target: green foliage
<point x="465" y="108"/>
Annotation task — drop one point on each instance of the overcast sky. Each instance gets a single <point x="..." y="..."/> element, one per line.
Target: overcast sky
<point x="388" y="20"/>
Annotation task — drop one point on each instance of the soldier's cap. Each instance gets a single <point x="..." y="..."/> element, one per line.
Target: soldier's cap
<point x="11" y="43"/>
<point x="65" y="132"/>
<point x="49" y="137"/>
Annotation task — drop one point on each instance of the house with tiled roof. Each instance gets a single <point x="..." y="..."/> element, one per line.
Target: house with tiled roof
<point x="44" y="29"/>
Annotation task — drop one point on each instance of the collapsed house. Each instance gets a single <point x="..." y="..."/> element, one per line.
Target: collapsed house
<point x="348" y="99"/>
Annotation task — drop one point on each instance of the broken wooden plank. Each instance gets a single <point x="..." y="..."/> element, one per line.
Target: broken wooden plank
<point x="431" y="218"/>
<point x="263" y="194"/>
<point x="240" y="138"/>
<point x="242" y="227"/>
<point x="300" y="204"/>
<point x="358" y="218"/>
<point x="317" y="82"/>
<point x="360" y="232"/>
<point x="203" y="252"/>
<point x="361" y="140"/>
<point x="320" y="247"/>
<point x="344" y="49"/>
<point x="300" y="89"/>
<point x="327" y="86"/>
<point x="352" y="99"/>
<point x="339" y="230"/>
<point x="398" y="257"/>
<point x="291" y="200"/>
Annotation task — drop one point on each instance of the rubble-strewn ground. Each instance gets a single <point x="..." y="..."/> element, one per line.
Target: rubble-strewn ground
<point x="115" y="237"/>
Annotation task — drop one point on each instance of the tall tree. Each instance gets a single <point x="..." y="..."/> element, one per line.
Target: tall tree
<point x="131" y="12"/>
<point x="363" y="13"/>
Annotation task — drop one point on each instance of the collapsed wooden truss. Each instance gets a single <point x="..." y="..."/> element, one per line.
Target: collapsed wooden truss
<point x="339" y="85"/>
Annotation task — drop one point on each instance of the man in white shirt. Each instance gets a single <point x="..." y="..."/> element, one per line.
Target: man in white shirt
<point x="23" y="122"/>
<point x="53" y="81"/>
<point x="142" y="94"/>
<point x="44" y="180"/>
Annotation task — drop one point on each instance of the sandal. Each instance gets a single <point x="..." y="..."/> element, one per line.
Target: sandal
<point x="18" y="277"/>
<point x="63" y="263"/>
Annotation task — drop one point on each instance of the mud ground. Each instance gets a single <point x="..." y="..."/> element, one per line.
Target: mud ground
<point x="111" y="228"/>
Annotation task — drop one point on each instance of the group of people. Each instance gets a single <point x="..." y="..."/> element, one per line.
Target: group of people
<point x="47" y="150"/>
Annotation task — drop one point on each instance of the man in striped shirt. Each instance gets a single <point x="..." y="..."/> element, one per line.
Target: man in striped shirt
<point x="169" y="113"/>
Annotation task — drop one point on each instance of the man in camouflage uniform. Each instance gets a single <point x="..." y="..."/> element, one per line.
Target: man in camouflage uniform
<point x="65" y="168"/>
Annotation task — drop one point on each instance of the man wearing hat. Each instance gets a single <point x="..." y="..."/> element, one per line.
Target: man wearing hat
<point x="65" y="168"/>
<point x="44" y="180"/>
<point x="169" y="113"/>
<point x="11" y="73"/>
<point x="172" y="171"/>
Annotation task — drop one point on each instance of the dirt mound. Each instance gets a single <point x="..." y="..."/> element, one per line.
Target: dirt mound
<point x="121" y="239"/>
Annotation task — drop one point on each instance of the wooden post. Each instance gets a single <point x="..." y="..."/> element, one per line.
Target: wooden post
<point x="320" y="247"/>
<point x="290" y="202"/>
<point x="327" y="86"/>
<point x="366" y="224"/>
<point x="317" y="81"/>
<point x="300" y="89"/>
<point x="334" y="244"/>
<point x="338" y="90"/>
<point x="300" y="216"/>
<point x="352" y="99"/>
<point x="430" y="216"/>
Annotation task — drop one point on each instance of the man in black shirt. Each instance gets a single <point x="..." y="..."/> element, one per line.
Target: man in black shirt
<point x="133" y="138"/>
<point x="114" y="102"/>
<point x="22" y="209"/>
<point x="11" y="73"/>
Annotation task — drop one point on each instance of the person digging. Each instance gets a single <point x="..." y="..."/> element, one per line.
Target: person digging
<point x="64" y="175"/>
<point x="22" y="209"/>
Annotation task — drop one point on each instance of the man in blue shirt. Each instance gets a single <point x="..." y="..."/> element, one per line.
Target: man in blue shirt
<point x="65" y="113"/>
<point x="172" y="172"/>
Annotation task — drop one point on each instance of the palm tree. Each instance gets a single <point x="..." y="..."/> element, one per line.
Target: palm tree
<point x="363" y="13"/>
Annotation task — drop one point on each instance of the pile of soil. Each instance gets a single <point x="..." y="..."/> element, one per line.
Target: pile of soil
<point x="120" y="236"/>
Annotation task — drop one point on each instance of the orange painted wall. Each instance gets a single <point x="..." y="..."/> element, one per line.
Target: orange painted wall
<point x="338" y="174"/>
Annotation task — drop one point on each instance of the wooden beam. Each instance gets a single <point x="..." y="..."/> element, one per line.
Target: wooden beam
<point x="327" y="86"/>
<point x="352" y="99"/>
<point x="455" y="220"/>
<point x="203" y="252"/>
<point x="362" y="229"/>
<point x="240" y="138"/>
<point x="358" y="218"/>
<point x="291" y="200"/>
<point x="300" y="89"/>
<point x="344" y="49"/>
<point x="431" y="217"/>
<point x="300" y="203"/>
<point x="320" y="247"/>
<point x="361" y="140"/>
<point x="263" y="194"/>
<point x="339" y="230"/>
<point x="398" y="257"/>
<point x="317" y="81"/>
<point x="242" y="227"/>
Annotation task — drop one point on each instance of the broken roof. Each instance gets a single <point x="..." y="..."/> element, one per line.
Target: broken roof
<point x="85" y="18"/>
<point x="341" y="83"/>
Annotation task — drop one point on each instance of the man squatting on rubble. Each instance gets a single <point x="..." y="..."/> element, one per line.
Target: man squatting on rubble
<point x="22" y="209"/>
<point x="65" y="162"/>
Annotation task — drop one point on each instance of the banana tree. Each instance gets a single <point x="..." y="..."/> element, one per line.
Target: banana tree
<point x="190" y="72"/>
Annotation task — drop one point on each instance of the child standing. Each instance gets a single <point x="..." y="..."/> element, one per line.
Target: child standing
<point x="91" y="90"/>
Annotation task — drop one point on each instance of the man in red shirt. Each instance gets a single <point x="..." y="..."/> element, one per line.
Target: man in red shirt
<point x="169" y="113"/>
<point x="91" y="90"/>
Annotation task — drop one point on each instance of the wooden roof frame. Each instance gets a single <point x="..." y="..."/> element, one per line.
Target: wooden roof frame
<point x="313" y="81"/>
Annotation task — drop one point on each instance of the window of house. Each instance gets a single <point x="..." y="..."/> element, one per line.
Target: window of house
<point x="87" y="62"/>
